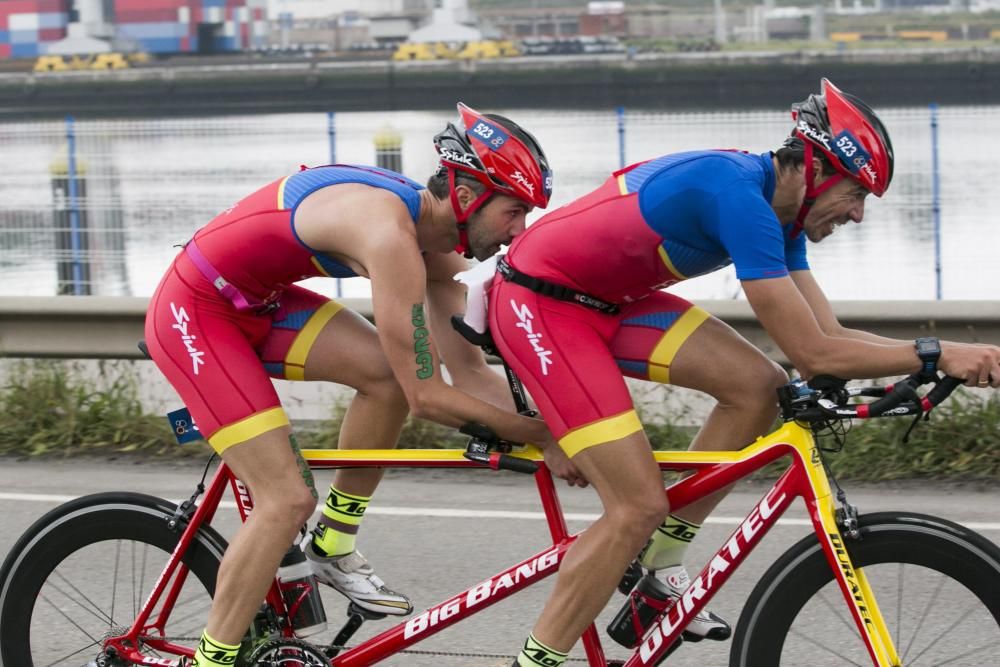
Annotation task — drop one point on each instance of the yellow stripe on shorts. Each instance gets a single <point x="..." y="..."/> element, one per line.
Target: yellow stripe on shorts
<point x="295" y="360"/>
<point x="670" y="265"/>
<point x="671" y="341"/>
<point x="251" y="427"/>
<point x="599" y="432"/>
<point x="281" y="194"/>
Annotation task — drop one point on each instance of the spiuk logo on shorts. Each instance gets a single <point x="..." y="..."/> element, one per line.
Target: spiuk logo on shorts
<point x="527" y="323"/>
<point x="181" y="322"/>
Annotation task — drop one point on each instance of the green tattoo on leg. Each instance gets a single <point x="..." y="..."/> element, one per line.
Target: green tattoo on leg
<point x="304" y="469"/>
<point x="421" y="343"/>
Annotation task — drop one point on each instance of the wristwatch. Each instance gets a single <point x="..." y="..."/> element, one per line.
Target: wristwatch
<point x="929" y="351"/>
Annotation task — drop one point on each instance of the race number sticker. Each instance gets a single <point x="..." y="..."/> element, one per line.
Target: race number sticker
<point x="489" y="133"/>
<point x="850" y="151"/>
<point x="183" y="426"/>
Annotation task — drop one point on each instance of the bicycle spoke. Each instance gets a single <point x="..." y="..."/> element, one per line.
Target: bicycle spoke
<point x="837" y="610"/>
<point x="72" y="622"/>
<point x="986" y="650"/>
<point x="114" y="581"/>
<point x="944" y="633"/>
<point x="899" y="603"/>
<point x="920" y="623"/>
<point x="817" y="644"/>
<point x="137" y="598"/>
<point x="70" y="655"/>
<point x="93" y="609"/>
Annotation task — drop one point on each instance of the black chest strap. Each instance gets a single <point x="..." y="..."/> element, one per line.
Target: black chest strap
<point x="560" y="292"/>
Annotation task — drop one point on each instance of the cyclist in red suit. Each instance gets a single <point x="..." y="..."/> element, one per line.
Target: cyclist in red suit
<point x="227" y="317"/>
<point x="575" y="306"/>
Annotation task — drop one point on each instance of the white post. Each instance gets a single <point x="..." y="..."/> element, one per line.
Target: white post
<point x="720" y="23"/>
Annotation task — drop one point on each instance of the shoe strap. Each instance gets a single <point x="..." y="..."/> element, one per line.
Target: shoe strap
<point x="351" y="562"/>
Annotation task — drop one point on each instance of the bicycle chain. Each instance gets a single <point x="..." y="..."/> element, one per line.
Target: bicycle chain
<point x="450" y="654"/>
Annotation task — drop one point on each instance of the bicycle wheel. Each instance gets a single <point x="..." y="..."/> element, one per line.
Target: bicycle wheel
<point x="936" y="583"/>
<point x="83" y="571"/>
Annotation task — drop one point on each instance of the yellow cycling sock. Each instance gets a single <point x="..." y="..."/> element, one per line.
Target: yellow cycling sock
<point x="537" y="654"/>
<point x="212" y="653"/>
<point x="338" y="527"/>
<point x="668" y="544"/>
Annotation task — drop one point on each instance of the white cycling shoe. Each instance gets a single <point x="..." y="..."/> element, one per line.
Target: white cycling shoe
<point x="352" y="576"/>
<point x="705" y="625"/>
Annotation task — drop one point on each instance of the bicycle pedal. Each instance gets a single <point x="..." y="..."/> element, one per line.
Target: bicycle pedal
<point x="365" y="614"/>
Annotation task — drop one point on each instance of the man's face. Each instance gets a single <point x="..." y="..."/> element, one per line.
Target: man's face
<point x="842" y="203"/>
<point x="496" y="224"/>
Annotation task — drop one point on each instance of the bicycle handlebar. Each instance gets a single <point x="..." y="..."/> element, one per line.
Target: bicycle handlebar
<point x="825" y="398"/>
<point x="484" y="441"/>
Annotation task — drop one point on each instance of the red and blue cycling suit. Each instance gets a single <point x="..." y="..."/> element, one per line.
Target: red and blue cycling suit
<point x="649" y="226"/>
<point x="218" y="348"/>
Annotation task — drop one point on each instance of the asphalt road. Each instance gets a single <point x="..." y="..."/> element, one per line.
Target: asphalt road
<point x="419" y="547"/>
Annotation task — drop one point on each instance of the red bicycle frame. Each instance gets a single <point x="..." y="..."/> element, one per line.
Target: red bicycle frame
<point x="711" y="472"/>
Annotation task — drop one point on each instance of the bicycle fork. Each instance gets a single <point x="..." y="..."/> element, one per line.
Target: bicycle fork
<point x="834" y="536"/>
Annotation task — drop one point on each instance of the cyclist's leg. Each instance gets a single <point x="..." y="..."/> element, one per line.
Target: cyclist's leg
<point x="665" y="339"/>
<point x="206" y="350"/>
<point x="269" y="467"/>
<point x="317" y="339"/>
<point x="560" y="351"/>
<point x="631" y="490"/>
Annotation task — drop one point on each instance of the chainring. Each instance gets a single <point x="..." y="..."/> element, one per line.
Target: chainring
<point x="287" y="653"/>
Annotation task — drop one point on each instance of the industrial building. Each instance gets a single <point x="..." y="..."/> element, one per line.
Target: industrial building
<point x="30" y="28"/>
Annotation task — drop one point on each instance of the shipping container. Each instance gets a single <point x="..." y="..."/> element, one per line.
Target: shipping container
<point x="28" y="50"/>
<point x="52" y="20"/>
<point x="51" y="34"/>
<point x="161" y="45"/>
<point x="23" y="36"/>
<point x="23" y="22"/>
<point x="45" y="6"/>
<point x="143" y="31"/>
<point x="148" y="15"/>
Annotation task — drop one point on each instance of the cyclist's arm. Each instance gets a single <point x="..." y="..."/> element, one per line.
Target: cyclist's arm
<point x="392" y="258"/>
<point x="787" y="317"/>
<point x="465" y="362"/>
<point x="827" y="319"/>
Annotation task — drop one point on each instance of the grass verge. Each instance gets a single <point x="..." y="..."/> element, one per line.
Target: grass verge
<point x="50" y="409"/>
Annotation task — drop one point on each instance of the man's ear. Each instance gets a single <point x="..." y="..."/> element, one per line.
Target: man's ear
<point x="818" y="169"/>
<point x="465" y="194"/>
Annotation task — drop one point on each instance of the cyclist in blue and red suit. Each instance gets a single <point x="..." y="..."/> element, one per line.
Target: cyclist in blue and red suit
<point x="576" y="305"/>
<point x="227" y="317"/>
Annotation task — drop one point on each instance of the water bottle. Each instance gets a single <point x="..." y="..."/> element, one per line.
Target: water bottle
<point x="300" y="591"/>
<point x="650" y="597"/>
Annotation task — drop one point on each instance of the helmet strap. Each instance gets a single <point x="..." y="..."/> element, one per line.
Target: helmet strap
<point x="461" y="217"/>
<point x="812" y="192"/>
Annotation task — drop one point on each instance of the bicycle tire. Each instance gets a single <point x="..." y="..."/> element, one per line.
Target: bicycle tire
<point x="72" y="536"/>
<point x="897" y="549"/>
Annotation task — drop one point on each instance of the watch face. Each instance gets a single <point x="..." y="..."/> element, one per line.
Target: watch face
<point x="928" y="346"/>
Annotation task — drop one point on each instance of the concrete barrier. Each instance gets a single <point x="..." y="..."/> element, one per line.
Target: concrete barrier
<point x="92" y="327"/>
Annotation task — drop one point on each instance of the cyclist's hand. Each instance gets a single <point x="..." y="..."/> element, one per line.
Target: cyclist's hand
<point x="561" y="465"/>
<point x="978" y="365"/>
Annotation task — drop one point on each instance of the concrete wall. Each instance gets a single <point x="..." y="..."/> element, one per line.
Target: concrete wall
<point x="87" y="331"/>
<point x="73" y="327"/>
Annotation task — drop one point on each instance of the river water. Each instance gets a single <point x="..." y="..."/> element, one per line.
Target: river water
<point x="151" y="183"/>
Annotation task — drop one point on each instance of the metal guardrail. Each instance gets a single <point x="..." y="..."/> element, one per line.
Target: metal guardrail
<point x="93" y="327"/>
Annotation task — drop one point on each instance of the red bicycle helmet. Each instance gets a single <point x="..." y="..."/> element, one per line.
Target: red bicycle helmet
<point x="849" y="134"/>
<point x="498" y="153"/>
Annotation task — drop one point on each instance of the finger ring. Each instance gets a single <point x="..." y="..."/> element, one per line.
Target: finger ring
<point x="983" y="383"/>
